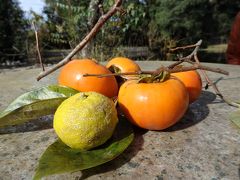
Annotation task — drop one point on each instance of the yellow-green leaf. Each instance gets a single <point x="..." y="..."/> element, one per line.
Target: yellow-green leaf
<point x="235" y="117"/>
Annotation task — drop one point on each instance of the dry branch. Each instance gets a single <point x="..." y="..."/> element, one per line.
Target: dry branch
<point x="194" y="56"/>
<point x="174" y="68"/>
<point x="214" y="86"/>
<point x="183" y="47"/>
<point x="159" y="70"/>
<point x="87" y="38"/>
<point x="189" y="57"/>
<point x="37" y="46"/>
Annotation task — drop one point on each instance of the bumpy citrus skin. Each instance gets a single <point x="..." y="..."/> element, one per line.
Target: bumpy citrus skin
<point x="71" y="75"/>
<point x="193" y="83"/>
<point x="85" y="120"/>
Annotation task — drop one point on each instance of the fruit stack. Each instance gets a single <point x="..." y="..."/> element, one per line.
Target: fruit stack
<point x="88" y="119"/>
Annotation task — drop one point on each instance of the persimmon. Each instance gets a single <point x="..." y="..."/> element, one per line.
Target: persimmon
<point x="153" y="106"/>
<point x="193" y="83"/>
<point x="123" y="65"/>
<point x="71" y="75"/>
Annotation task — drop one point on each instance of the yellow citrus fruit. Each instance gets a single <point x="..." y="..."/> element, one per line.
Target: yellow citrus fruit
<point x="85" y="120"/>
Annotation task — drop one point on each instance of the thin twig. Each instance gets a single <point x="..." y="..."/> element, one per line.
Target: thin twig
<point x="202" y="69"/>
<point x="183" y="47"/>
<point x="214" y="86"/>
<point x="171" y="68"/>
<point x="87" y="38"/>
<point x="189" y="57"/>
<point x="37" y="45"/>
<point x="118" y="74"/>
<point x="180" y="61"/>
<point x="175" y="70"/>
<point x="198" y="44"/>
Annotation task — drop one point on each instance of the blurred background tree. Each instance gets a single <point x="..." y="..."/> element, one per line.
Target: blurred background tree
<point x="66" y="22"/>
<point x="182" y="22"/>
<point x="13" y="30"/>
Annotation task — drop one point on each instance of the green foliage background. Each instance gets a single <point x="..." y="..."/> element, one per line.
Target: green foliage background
<point x="13" y="28"/>
<point x="158" y="24"/>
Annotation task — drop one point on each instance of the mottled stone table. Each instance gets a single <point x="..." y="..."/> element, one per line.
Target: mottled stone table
<point x="204" y="145"/>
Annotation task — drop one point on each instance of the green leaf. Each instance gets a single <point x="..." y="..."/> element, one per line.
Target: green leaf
<point x="235" y="117"/>
<point x="36" y="103"/>
<point x="59" y="158"/>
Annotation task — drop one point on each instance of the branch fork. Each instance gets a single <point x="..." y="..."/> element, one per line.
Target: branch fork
<point x="194" y="56"/>
<point x="174" y="68"/>
<point x="102" y="20"/>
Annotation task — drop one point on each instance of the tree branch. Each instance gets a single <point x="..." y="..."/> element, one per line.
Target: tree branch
<point x="214" y="86"/>
<point x="183" y="47"/>
<point x="159" y="70"/>
<point x="173" y="68"/>
<point x="37" y="45"/>
<point x="87" y="38"/>
<point x="202" y="69"/>
<point x="189" y="57"/>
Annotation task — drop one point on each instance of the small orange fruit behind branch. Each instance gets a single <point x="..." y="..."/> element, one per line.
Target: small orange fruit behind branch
<point x="193" y="83"/>
<point x="123" y="65"/>
<point x="71" y="75"/>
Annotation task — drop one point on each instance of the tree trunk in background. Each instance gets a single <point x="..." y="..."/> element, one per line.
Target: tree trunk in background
<point x="93" y="16"/>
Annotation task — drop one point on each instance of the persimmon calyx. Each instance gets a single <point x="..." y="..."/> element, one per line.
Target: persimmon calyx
<point x="121" y="78"/>
<point x="154" y="78"/>
<point x="114" y="69"/>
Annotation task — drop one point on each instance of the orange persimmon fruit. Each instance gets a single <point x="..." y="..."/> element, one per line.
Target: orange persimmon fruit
<point x="71" y="75"/>
<point x="193" y="83"/>
<point x="123" y="65"/>
<point x="153" y="106"/>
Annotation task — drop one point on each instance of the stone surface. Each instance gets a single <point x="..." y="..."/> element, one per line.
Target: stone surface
<point x="205" y="144"/>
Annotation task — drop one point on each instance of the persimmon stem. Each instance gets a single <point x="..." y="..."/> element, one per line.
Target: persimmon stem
<point x="102" y="20"/>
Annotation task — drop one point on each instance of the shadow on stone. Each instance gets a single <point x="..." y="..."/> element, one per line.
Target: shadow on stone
<point x="45" y="122"/>
<point x="196" y="112"/>
<point x="124" y="158"/>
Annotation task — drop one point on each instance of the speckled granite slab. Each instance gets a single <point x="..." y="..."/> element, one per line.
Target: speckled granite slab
<point x="204" y="145"/>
